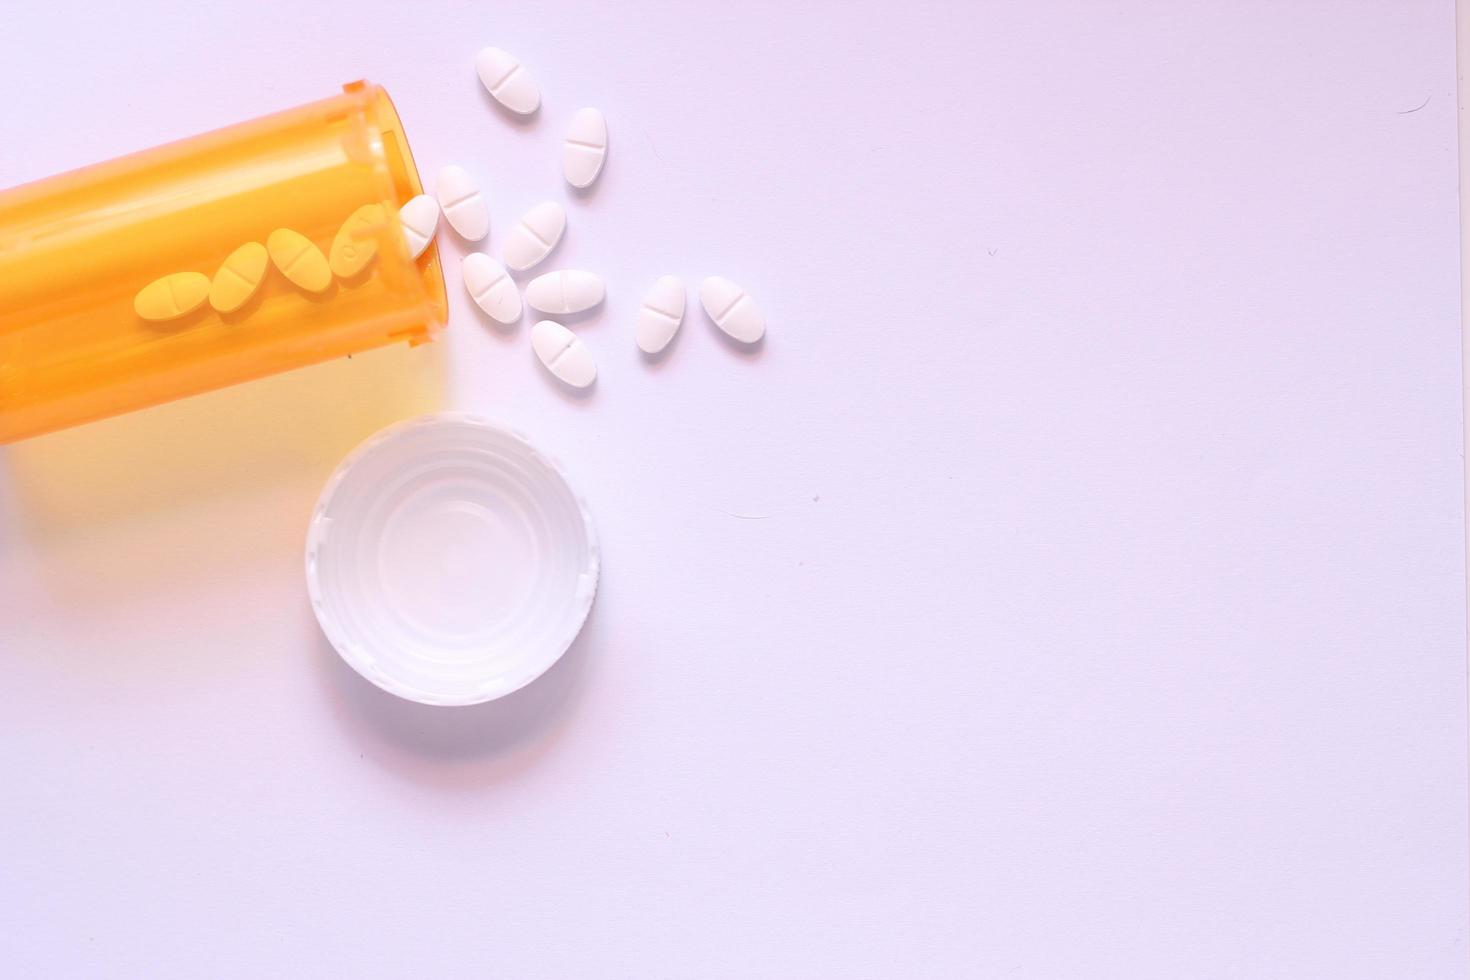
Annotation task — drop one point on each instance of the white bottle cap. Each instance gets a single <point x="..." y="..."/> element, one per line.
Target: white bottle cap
<point x="449" y="562"/>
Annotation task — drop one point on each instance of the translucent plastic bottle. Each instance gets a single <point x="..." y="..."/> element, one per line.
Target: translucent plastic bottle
<point x="78" y="248"/>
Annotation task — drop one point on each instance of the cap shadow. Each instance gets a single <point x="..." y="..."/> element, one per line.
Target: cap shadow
<point x="458" y="747"/>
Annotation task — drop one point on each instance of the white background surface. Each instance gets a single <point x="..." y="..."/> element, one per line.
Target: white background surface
<point x="1071" y="586"/>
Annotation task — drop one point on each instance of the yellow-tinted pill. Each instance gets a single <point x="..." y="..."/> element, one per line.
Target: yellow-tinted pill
<point x="172" y="296"/>
<point x="238" y="278"/>
<point x="357" y="242"/>
<point x="299" y="260"/>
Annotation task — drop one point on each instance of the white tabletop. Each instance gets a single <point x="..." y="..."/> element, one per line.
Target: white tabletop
<point x="1072" y="584"/>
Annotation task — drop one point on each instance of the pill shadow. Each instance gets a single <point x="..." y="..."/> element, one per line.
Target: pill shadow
<point x="656" y="362"/>
<point x="582" y="318"/>
<point x="359" y="278"/>
<point x="321" y="298"/>
<point x="462" y="246"/>
<point x="458" y="748"/>
<point x="514" y="118"/>
<point x="546" y="263"/>
<point x="749" y="351"/>
<point x="239" y="316"/>
<point x="241" y="441"/>
<point x="188" y="321"/>
<point x="571" y="394"/>
<point x="258" y="298"/>
<point x="502" y="331"/>
<point x="584" y="194"/>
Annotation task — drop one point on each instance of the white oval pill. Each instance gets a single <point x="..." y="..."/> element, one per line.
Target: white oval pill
<point x="566" y="291"/>
<point x="491" y="287"/>
<point x="585" y="148"/>
<point x="420" y="219"/>
<point x="462" y="203"/>
<point x="563" y="353"/>
<point x="537" y="234"/>
<point x="507" y="81"/>
<point x="661" y="313"/>
<point x="732" y="310"/>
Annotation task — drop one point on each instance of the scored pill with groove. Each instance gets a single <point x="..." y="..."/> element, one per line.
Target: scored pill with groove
<point x="463" y="205"/>
<point x="299" y="260"/>
<point x="533" y="238"/>
<point x="419" y="218"/>
<point x="172" y="296"/>
<point x="563" y="353"/>
<point x="585" y="148"/>
<point x="507" y="81"/>
<point x="357" y="241"/>
<point x="660" y="315"/>
<point x="565" y="291"/>
<point x="239" y="277"/>
<point x="732" y="310"/>
<point x="491" y="287"/>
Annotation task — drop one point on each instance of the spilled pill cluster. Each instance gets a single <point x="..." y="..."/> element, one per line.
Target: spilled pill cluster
<point x="565" y="291"/>
<point x="458" y="200"/>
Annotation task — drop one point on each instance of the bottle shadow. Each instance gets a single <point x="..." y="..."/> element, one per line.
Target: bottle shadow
<point x="145" y="501"/>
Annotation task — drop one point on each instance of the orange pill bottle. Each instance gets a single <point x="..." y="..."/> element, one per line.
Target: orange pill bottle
<point x="77" y="249"/>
